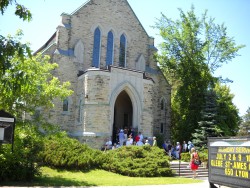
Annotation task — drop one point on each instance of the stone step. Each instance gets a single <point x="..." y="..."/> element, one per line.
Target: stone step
<point x="182" y="169"/>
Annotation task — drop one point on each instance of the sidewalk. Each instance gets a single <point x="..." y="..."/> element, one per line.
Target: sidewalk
<point x="204" y="184"/>
<point x="193" y="185"/>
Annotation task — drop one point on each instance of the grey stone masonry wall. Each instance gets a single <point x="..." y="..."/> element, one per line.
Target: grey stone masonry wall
<point x="92" y="105"/>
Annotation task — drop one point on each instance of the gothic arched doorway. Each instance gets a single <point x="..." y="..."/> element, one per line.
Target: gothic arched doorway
<point x="123" y="113"/>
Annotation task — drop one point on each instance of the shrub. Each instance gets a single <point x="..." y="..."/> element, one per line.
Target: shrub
<point x="61" y="151"/>
<point x="185" y="157"/>
<point x="137" y="161"/>
<point x="21" y="163"/>
<point x="203" y="155"/>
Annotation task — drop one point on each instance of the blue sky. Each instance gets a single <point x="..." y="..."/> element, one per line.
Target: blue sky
<point x="235" y="14"/>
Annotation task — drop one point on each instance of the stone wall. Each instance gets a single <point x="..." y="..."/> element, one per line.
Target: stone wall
<point x="91" y="107"/>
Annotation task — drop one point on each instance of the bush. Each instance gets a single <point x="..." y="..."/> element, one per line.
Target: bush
<point x="63" y="152"/>
<point x="185" y="156"/>
<point x="203" y="155"/>
<point x="21" y="164"/>
<point x="137" y="161"/>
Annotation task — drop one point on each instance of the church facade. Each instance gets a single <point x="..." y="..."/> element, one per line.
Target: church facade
<point x="106" y="54"/>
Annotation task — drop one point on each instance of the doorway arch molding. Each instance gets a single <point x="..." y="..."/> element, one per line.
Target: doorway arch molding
<point x="135" y="99"/>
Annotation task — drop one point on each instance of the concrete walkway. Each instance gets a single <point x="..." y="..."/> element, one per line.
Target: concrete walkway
<point x="204" y="184"/>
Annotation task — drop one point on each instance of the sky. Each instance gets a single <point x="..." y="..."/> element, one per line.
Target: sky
<point x="235" y="14"/>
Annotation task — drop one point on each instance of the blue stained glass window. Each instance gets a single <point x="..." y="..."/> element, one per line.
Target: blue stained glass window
<point x="96" y="48"/>
<point x="122" y="55"/>
<point x="110" y="49"/>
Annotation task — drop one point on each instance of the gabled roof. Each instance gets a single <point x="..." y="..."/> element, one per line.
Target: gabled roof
<point x="89" y="2"/>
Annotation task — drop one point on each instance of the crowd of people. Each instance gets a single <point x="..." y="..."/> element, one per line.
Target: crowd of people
<point x="174" y="150"/>
<point x="127" y="137"/>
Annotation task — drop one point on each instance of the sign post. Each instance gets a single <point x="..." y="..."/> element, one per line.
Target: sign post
<point x="7" y="126"/>
<point x="229" y="162"/>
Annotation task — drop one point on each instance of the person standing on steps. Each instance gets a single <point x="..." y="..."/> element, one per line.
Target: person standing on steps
<point x="194" y="156"/>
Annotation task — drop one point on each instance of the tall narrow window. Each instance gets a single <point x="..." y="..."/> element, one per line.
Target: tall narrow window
<point x="65" y="105"/>
<point x="163" y="104"/>
<point x="110" y="49"/>
<point x="80" y="112"/>
<point x="96" y="48"/>
<point x="122" y="55"/>
<point x="162" y="127"/>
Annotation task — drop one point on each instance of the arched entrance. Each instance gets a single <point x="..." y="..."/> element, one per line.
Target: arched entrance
<point x="123" y="113"/>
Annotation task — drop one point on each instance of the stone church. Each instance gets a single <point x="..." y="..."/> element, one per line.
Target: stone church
<point x="106" y="54"/>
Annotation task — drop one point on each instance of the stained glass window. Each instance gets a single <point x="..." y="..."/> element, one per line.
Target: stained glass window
<point x="96" y="48"/>
<point x="110" y="49"/>
<point x="122" y="55"/>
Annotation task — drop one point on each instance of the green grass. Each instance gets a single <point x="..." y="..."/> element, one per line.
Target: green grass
<point x="52" y="177"/>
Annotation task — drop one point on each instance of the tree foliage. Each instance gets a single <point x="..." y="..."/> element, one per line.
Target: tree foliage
<point x="10" y="46"/>
<point x="228" y="114"/>
<point x="21" y="164"/>
<point x="28" y="82"/>
<point x="208" y="126"/>
<point x="245" y="124"/>
<point x="192" y="49"/>
<point x="20" y="11"/>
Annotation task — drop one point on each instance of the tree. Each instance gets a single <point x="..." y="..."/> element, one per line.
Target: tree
<point x="8" y="45"/>
<point x="228" y="114"/>
<point x="219" y="116"/>
<point x="21" y="10"/>
<point x="192" y="50"/>
<point x="208" y="126"/>
<point x="245" y="124"/>
<point x="28" y="83"/>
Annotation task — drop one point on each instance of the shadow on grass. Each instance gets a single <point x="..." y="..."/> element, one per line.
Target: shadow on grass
<point x="48" y="181"/>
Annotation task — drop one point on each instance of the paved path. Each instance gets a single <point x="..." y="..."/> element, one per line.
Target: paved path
<point x="203" y="184"/>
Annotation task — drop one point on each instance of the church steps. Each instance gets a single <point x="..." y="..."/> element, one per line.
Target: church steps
<point x="182" y="169"/>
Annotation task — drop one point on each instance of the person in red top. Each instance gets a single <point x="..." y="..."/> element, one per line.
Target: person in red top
<point x="137" y="138"/>
<point x="194" y="156"/>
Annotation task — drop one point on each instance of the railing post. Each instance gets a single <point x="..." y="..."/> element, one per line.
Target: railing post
<point x="179" y="167"/>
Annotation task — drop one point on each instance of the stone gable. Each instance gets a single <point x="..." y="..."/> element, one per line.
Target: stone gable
<point x="108" y="98"/>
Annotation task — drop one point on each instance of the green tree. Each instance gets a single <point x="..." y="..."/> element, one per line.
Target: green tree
<point x="208" y="126"/>
<point x="28" y="83"/>
<point x="245" y="124"/>
<point x="219" y="116"/>
<point x="25" y="80"/>
<point x="8" y="45"/>
<point x="192" y="50"/>
<point x="228" y="114"/>
<point x="20" y="11"/>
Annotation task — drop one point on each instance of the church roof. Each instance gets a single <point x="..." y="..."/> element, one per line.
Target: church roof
<point x="91" y="1"/>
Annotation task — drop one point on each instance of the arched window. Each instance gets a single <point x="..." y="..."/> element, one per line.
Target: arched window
<point x="122" y="55"/>
<point x="110" y="49"/>
<point x="65" y="105"/>
<point x="96" y="48"/>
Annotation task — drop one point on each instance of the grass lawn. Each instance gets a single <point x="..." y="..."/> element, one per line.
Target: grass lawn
<point x="51" y="177"/>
